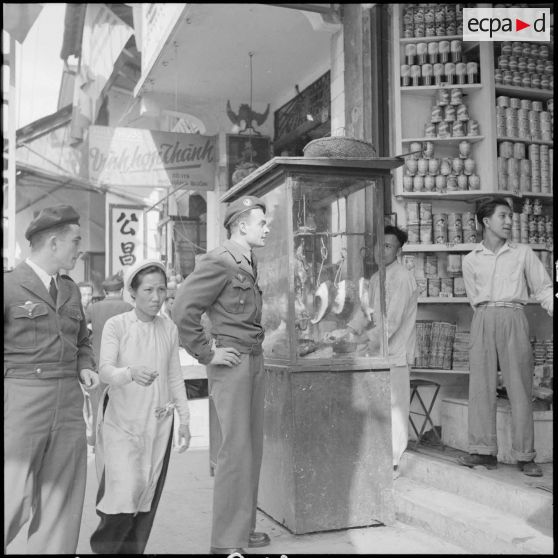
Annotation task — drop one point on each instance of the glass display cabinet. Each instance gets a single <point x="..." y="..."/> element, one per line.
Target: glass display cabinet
<point x="327" y="433"/>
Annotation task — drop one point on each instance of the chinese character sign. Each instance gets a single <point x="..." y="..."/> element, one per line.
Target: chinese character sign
<point x="127" y="236"/>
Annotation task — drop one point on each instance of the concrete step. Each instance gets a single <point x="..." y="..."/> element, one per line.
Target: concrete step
<point x="478" y="528"/>
<point x="492" y="488"/>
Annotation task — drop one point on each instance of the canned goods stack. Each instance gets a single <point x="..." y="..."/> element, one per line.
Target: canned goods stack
<point x="440" y="226"/>
<point x="549" y="343"/>
<point x="524" y="167"/>
<point x="523" y="65"/>
<point x="535" y="228"/>
<point x="432" y="20"/>
<point x="433" y="281"/>
<point x="455" y="228"/>
<point x="450" y="116"/>
<point x="539" y="351"/>
<point x="425" y="217"/>
<point x="424" y="172"/>
<point x="470" y="234"/>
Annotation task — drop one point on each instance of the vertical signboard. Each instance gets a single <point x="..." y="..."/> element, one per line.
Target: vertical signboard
<point x="127" y="233"/>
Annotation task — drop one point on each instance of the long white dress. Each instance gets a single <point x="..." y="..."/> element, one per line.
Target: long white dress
<point x="134" y="432"/>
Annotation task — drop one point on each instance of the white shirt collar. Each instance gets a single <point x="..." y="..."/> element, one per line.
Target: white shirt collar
<point x="43" y="275"/>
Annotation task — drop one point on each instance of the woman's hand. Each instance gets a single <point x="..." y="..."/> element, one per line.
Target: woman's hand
<point x="184" y="438"/>
<point x="142" y="375"/>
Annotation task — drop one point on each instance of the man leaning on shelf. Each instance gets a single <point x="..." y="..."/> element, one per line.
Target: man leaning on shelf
<point x="497" y="274"/>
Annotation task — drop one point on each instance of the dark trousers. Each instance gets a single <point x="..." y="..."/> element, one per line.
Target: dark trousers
<point x="238" y="395"/>
<point x="127" y="533"/>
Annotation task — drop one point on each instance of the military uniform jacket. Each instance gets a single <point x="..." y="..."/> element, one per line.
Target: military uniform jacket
<point x="43" y="339"/>
<point x="223" y="286"/>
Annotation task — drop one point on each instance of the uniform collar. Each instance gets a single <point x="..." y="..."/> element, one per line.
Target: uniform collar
<point x="238" y="251"/>
<point x="482" y="248"/>
<point x="43" y="275"/>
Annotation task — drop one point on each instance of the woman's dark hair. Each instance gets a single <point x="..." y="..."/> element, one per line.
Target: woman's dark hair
<point x="395" y="231"/>
<point x="136" y="281"/>
<point x="487" y="209"/>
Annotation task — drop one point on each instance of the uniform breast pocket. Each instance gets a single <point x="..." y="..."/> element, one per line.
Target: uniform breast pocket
<point x="239" y="296"/>
<point x="28" y="319"/>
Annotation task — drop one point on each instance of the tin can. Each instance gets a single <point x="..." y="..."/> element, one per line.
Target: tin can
<point x="458" y="130"/>
<point x="430" y="130"/>
<point x="443" y="97"/>
<point x="425" y="213"/>
<point x="524" y="183"/>
<point x="515" y="102"/>
<point x="444" y="131"/>
<point x="505" y="149"/>
<point x="413" y="234"/>
<point x="431" y="265"/>
<point x="413" y="213"/>
<point x="455" y="235"/>
<point x="473" y="128"/>
<point x="513" y="166"/>
<point x="456" y="97"/>
<point x="470" y="236"/>
<point x="433" y="286"/>
<point x="525" y="166"/>
<point x="437" y="114"/>
<point x="519" y="150"/>
<point x="418" y="183"/>
<point x="503" y="101"/>
<point x="451" y="182"/>
<point x="450" y="113"/>
<point x="446" y="286"/>
<point x="425" y="233"/>
<point x="454" y="264"/>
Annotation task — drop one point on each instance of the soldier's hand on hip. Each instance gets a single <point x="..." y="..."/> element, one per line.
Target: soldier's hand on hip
<point x="226" y="356"/>
<point x="142" y="375"/>
<point x="89" y="379"/>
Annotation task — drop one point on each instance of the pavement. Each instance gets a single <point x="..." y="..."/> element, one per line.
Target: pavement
<point x="183" y="521"/>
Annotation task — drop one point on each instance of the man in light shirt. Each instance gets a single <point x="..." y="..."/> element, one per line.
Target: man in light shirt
<point x="497" y="274"/>
<point x="401" y="314"/>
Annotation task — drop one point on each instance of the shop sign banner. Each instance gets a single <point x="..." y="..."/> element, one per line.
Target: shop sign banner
<point x="157" y="21"/>
<point x="126" y="236"/>
<point x="137" y="157"/>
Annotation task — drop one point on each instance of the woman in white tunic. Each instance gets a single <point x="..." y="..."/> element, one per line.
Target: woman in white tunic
<point x="139" y="362"/>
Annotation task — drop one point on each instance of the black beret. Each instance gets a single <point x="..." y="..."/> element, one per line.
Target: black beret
<point x="50" y="217"/>
<point x="245" y="203"/>
<point x="114" y="283"/>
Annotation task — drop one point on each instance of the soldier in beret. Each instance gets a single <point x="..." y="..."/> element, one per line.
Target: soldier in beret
<point x="99" y="313"/>
<point x="47" y="355"/>
<point x="224" y="286"/>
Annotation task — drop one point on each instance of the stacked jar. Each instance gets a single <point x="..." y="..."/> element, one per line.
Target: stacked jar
<point x="524" y="65"/>
<point x="455" y="272"/>
<point x="535" y="228"/>
<point x="437" y="63"/>
<point x="413" y="223"/>
<point x="433" y="280"/>
<point x="470" y="233"/>
<point x="432" y="20"/>
<point x="450" y="116"/>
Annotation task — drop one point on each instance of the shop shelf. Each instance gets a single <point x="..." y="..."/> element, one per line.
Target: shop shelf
<point x="438" y="247"/>
<point x="438" y="371"/>
<point x="522" y="140"/>
<point x="463" y="195"/>
<point x="430" y="89"/>
<point x="514" y="91"/>
<point x="447" y="141"/>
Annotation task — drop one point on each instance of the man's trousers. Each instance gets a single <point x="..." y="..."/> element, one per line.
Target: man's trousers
<point x="45" y="462"/>
<point x="500" y="335"/>
<point x="238" y="396"/>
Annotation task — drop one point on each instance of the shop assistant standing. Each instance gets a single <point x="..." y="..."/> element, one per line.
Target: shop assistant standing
<point x="47" y="354"/>
<point x="497" y="274"/>
<point x="401" y="313"/>
<point x="224" y="285"/>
